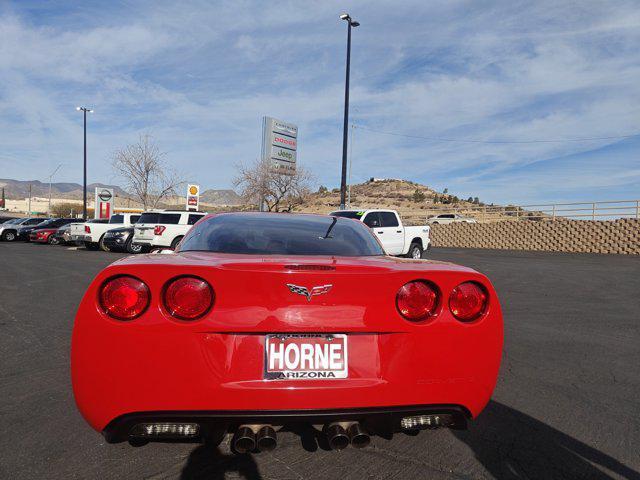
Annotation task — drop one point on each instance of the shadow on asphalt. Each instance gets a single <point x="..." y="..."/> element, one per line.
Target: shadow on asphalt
<point x="208" y="462"/>
<point x="512" y="445"/>
<point x="508" y="443"/>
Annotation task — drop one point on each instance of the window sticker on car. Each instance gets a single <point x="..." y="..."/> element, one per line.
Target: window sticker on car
<point x="360" y="214"/>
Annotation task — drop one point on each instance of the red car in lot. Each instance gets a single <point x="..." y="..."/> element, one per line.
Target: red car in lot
<point x="43" y="235"/>
<point x="261" y="321"/>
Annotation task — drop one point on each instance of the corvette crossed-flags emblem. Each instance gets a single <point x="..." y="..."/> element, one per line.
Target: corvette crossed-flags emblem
<point x="304" y="291"/>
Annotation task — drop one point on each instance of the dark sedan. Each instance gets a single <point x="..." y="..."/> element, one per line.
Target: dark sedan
<point x="120" y="240"/>
<point x="24" y="233"/>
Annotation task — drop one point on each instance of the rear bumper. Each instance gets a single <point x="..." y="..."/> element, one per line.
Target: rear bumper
<point x="378" y="420"/>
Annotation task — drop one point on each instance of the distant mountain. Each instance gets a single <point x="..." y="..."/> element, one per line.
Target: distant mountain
<point x="17" y="189"/>
<point x="221" y="197"/>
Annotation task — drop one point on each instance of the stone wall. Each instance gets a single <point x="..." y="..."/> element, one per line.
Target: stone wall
<point x="617" y="236"/>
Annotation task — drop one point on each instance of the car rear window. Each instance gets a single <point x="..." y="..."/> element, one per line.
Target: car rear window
<point x="193" y="219"/>
<point x="135" y="218"/>
<point x="116" y="219"/>
<point x="169" y="218"/>
<point x="281" y="234"/>
<point x="149" y="218"/>
<point x="389" y="219"/>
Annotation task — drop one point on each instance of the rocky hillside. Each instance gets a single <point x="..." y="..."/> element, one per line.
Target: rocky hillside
<point x="412" y="200"/>
<point x="19" y="189"/>
<point x="220" y="197"/>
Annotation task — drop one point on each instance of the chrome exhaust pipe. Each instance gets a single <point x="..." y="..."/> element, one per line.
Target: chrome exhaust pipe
<point x="336" y="436"/>
<point x="266" y="439"/>
<point x="244" y="440"/>
<point x="358" y="437"/>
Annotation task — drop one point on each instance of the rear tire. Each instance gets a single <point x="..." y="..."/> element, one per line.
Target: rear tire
<point x="415" y="251"/>
<point x="175" y="242"/>
<point x="91" y="246"/>
<point x="9" y="236"/>
<point x="53" y="240"/>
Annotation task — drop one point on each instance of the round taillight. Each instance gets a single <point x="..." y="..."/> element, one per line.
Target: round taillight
<point x="124" y="298"/>
<point x="417" y="300"/>
<point x="188" y="298"/>
<point x="468" y="301"/>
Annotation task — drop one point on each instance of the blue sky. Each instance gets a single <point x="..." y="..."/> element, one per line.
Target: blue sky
<point x="199" y="76"/>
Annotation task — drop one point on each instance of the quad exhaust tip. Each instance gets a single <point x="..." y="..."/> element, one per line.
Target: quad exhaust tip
<point x="339" y="437"/>
<point x="244" y="440"/>
<point x="336" y="436"/>
<point x="266" y="439"/>
<point x="358" y="437"/>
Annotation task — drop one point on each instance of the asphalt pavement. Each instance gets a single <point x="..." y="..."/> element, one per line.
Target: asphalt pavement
<point x="567" y="404"/>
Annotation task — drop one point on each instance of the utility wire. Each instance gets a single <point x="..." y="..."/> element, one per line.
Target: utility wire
<point x="440" y="139"/>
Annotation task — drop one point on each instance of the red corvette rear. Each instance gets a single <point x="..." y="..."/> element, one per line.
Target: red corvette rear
<point x="261" y="321"/>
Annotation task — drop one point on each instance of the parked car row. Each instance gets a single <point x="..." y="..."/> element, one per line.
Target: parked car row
<point x="164" y="229"/>
<point x="125" y="232"/>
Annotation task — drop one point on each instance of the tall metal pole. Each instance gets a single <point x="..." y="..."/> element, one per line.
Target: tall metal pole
<point x="343" y="180"/>
<point x="84" y="110"/>
<point x="84" y="186"/>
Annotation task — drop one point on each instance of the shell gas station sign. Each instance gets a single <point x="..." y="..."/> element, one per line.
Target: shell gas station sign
<point x="193" y="198"/>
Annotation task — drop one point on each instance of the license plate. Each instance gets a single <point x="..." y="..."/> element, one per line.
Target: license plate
<point x="305" y="357"/>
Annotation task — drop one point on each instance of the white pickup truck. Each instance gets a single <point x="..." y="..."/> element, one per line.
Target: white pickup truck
<point x="162" y="229"/>
<point x="94" y="232"/>
<point x="396" y="239"/>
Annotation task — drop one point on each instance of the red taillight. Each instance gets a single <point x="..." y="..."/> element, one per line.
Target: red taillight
<point x="468" y="301"/>
<point x="417" y="300"/>
<point x="159" y="229"/>
<point x="124" y="298"/>
<point x="87" y="229"/>
<point x="188" y="298"/>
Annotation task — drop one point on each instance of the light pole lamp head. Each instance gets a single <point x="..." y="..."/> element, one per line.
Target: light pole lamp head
<point x="345" y="16"/>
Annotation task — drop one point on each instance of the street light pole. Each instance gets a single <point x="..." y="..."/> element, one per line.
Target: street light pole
<point x="50" y="177"/>
<point x="84" y="184"/>
<point x="343" y="181"/>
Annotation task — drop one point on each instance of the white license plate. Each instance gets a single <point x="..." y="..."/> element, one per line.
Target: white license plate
<point x="305" y="357"/>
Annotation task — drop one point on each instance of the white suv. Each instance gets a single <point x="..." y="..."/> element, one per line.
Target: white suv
<point x="164" y="229"/>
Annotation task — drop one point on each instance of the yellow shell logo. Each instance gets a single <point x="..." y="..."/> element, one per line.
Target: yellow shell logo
<point x="193" y="190"/>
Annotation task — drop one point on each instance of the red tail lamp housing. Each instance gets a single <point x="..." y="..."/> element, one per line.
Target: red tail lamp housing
<point x="417" y="300"/>
<point x="468" y="301"/>
<point x="87" y="229"/>
<point x="124" y="297"/>
<point x="188" y="298"/>
<point x="159" y="229"/>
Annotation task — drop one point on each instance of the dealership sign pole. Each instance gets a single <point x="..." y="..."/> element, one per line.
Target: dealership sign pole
<point x="280" y="144"/>
<point x="104" y="202"/>
<point x="279" y="147"/>
<point x="193" y="198"/>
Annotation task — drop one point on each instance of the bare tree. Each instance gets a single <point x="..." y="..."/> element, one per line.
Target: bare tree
<point x="145" y="174"/>
<point x="280" y="192"/>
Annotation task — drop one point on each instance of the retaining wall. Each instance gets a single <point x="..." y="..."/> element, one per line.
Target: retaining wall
<point x="586" y="236"/>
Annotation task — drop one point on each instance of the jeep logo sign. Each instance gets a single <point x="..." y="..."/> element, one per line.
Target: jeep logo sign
<point x="280" y="144"/>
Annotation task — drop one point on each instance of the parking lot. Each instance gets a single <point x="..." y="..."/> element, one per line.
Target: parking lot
<point x="567" y="404"/>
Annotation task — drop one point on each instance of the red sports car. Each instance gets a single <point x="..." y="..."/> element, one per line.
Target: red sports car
<point x="263" y="321"/>
<point x="44" y="235"/>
